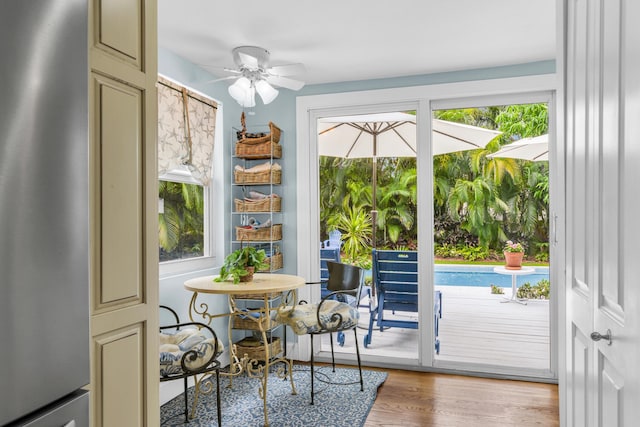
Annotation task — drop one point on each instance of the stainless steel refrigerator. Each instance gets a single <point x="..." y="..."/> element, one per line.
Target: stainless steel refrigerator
<point x="44" y="213"/>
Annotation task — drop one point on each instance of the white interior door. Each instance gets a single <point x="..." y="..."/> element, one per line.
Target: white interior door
<point x="603" y="159"/>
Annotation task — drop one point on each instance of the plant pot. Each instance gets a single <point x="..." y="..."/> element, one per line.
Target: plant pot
<point x="513" y="260"/>
<point x="248" y="277"/>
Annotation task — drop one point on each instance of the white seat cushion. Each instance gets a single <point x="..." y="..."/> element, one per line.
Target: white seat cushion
<point x="174" y="345"/>
<point x="303" y="319"/>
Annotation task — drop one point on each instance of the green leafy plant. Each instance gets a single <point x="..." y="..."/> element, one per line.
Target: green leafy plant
<point x="355" y="225"/>
<point x="539" y="291"/>
<point x="496" y="289"/>
<point x="542" y="252"/>
<point x="473" y="253"/>
<point x="236" y="263"/>
<point x="525" y="291"/>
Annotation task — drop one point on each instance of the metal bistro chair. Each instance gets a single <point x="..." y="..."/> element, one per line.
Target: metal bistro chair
<point x="336" y="312"/>
<point x="190" y="352"/>
<point x="327" y="255"/>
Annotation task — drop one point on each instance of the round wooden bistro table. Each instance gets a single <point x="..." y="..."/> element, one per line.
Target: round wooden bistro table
<point x="265" y="287"/>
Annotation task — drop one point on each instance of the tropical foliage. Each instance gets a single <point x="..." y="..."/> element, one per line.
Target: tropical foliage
<point x="478" y="202"/>
<point x="181" y="225"/>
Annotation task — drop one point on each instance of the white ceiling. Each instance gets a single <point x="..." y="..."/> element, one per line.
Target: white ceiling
<point x="346" y="40"/>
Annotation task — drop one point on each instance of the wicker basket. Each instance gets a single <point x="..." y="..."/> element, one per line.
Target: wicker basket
<point x="272" y="136"/>
<point x="263" y="150"/>
<point x="263" y="147"/>
<point x="254" y="349"/>
<point x="254" y="324"/>
<point x="259" y="235"/>
<point x="272" y="176"/>
<point x="269" y="204"/>
<point x="275" y="262"/>
<point x="260" y="297"/>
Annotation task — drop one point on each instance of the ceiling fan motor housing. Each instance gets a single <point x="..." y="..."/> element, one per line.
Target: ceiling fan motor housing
<point x="251" y="57"/>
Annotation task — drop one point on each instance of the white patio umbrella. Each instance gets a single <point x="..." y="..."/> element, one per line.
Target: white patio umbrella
<point x="392" y="135"/>
<point x="535" y="149"/>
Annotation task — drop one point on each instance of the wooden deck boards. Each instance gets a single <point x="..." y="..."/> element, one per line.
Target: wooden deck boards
<point x="476" y="327"/>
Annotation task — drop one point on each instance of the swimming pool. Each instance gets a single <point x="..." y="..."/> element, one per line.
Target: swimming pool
<point x="473" y="275"/>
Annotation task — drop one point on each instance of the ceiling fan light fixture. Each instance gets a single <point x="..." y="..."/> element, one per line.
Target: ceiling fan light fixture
<point x="267" y="92"/>
<point x="243" y="92"/>
<point x="255" y="75"/>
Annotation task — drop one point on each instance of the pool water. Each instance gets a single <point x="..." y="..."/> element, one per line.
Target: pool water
<point x="472" y="275"/>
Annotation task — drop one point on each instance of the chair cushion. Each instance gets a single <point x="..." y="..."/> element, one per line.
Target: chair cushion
<point x="174" y="345"/>
<point x="302" y="318"/>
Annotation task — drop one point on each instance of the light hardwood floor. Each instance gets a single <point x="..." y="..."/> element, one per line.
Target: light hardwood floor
<point x="425" y="399"/>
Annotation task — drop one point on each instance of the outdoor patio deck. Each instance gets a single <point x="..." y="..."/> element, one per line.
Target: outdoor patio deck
<point x="476" y="327"/>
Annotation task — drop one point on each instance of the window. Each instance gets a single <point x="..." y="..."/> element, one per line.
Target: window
<point x="187" y="124"/>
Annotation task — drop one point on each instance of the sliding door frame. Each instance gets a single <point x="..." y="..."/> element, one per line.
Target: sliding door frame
<point x="422" y="99"/>
<point x="555" y="178"/>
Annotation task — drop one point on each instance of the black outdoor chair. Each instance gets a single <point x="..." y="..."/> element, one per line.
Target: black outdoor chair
<point x="336" y="312"/>
<point x="190" y="352"/>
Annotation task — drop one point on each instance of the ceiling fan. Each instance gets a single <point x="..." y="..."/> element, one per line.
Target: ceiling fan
<point x="254" y="74"/>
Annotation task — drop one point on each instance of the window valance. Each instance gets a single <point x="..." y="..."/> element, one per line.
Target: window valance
<point x="186" y="129"/>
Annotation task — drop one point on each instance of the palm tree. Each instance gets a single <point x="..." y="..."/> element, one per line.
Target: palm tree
<point x="397" y="206"/>
<point x="181" y="226"/>
<point x="355" y="224"/>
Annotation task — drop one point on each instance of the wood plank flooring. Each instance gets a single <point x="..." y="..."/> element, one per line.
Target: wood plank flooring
<point x="479" y="328"/>
<point x="422" y="399"/>
<point x="476" y="327"/>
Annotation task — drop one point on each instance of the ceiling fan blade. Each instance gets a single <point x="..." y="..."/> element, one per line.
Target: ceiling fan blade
<point x="220" y="79"/>
<point x="287" y="70"/>
<point x="285" y="82"/>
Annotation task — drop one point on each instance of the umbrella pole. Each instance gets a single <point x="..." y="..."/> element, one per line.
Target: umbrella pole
<point x="374" y="212"/>
<point x="374" y="179"/>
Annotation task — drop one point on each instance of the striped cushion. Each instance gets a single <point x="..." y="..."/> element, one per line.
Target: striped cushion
<point x="174" y="345"/>
<point x="303" y="319"/>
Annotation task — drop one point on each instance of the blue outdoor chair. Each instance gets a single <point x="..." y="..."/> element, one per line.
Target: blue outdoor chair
<point x="395" y="278"/>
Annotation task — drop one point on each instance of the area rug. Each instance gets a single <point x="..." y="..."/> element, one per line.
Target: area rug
<point x="338" y="401"/>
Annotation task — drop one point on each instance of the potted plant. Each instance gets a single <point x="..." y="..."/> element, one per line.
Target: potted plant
<point x="242" y="263"/>
<point x="513" y="254"/>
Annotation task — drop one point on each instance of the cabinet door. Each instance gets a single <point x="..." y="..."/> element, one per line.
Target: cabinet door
<point x="124" y="264"/>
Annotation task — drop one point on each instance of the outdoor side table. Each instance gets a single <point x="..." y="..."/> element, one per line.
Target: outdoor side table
<point x="524" y="271"/>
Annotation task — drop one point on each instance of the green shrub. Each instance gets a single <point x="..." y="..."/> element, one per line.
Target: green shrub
<point x="542" y="252"/>
<point x="542" y="289"/>
<point x="542" y="257"/>
<point x="525" y="291"/>
<point x="362" y="261"/>
<point x="473" y="253"/>
<point x="496" y="289"/>
<point x="445" y="250"/>
<point x="466" y="252"/>
<point x="539" y="291"/>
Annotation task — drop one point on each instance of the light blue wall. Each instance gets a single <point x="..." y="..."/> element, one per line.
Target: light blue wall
<point x="282" y="112"/>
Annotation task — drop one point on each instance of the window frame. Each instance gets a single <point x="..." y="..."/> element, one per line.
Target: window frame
<point x="189" y="264"/>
